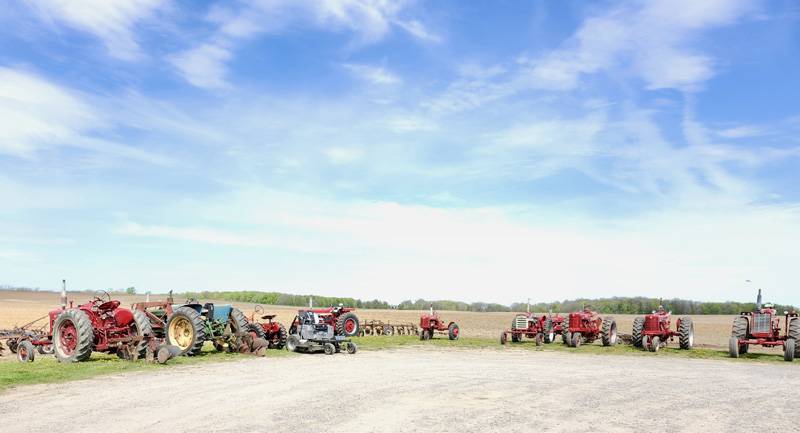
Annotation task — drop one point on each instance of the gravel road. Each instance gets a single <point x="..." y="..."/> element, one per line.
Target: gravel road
<point x="420" y="390"/>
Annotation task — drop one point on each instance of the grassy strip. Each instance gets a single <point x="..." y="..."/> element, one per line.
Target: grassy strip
<point x="47" y="370"/>
<point x="379" y="343"/>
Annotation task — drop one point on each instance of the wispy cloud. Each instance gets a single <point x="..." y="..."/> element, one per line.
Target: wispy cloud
<point x="203" y="66"/>
<point x="372" y="74"/>
<point x="114" y="22"/>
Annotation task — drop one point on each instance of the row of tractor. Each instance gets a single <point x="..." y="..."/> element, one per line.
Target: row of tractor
<point x="651" y="332"/>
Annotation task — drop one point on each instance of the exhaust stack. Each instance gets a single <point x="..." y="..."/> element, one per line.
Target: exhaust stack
<point x="63" y="294"/>
<point x="758" y="300"/>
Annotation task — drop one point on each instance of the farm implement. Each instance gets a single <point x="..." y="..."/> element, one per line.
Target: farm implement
<point x="762" y="327"/>
<point x="313" y="332"/>
<point x="431" y="323"/>
<point x="273" y="332"/>
<point x="542" y="329"/>
<point x="379" y="327"/>
<point x="189" y="325"/>
<point x="653" y="331"/>
<point x="31" y="331"/>
<point x="587" y="326"/>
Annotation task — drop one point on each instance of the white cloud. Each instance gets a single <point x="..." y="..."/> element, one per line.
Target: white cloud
<point x="343" y="155"/>
<point x="742" y="131"/>
<point x="372" y="74"/>
<point x="114" y="22"/>
<point x="419" y="31"/>
<point x="203" y="66"/>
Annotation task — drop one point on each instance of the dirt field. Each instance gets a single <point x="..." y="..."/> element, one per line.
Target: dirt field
<point x="421" y="390"/>
<point x="21" y="307"/>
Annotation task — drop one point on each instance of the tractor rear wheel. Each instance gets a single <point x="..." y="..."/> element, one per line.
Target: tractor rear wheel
<point x="256" y="331"/>
<point x="686" y="328"/>
<point x="25" y="351"/>
<point x="143" y="327"/>
<point x="453" y="331"/>
<point x="237" y="321"/>
<point x="733" y="347"/>
<point x="352" y="348"/>
<point x="739" y="331"/>
<point x="655" y="343"/>
<point x="185" y="330"/>
<point x="794" y="333"/>
<point x="609" y="331"/>
<point x="73" y="336"/>
<point x="281" y="340"/>
<point x="788" y="350"/>
<point x="347" y="325"/>
<point x="330" y="349"/>
<point x="577" y="339"/>
<point x="636" y="333"/>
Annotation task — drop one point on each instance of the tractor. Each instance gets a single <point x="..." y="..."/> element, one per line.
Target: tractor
<point x="543" y="329"/>
<point x="586" y="326"/>
<point x="99" y="325"/>
<point x="191" y="324"/>
<point x="273" y="332"/>
<point x="342" y="318"/>
<point x="763" y="327"/>
<point x="653" y="331"/>
<point x="431" y="323"/>
<point x="313" y="332"/>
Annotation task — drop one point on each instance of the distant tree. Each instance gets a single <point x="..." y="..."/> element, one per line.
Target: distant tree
<point x="131" y="290"/>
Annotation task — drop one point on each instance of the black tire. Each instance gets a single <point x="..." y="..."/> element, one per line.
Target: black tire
<point x="45" y="349"/>
<point x="503" y="338"/>
<point x="609" y="331"/>
<point x="539" y="339"/>
<point x="422" y="334"/>
<point x="566" y="337"/>
<point x="291" y="343"/>
<point x="577" y="339"/>
<point x="636" y="332"/>
<point x="237" y="321"/>
<point x="84" y="340"/>
<point x="143" y="327"/>
<point x="25" y="351"/>
<point x="352" y="348"/>
<point x="12" y="345"/>
<point x="341" y="325"/>
<point x="192" y="343"/>
<point x="549" y="335"/>
<point x="789" y="350"/>
<point x="686" y="329"/>
<point x="733" y="347"/>
<point x="257" y="330"/>
<point x="646" y="341"/>
<point x="281" y="338"/>
<point x="794" y="333"/>
<point x="453" y="331"/>
<point x="655" y="343"/>
<point x="516" y="338"/>
<point x="740" y="325"/>
<point x="329" y="348"/>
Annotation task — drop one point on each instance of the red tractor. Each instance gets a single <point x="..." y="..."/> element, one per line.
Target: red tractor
<point x="587" y="326"/>
<point x="432" y="323"/>
<point x="343" y="320"/>
<point x="543" y="329"/>
<point x="273" y="332"/>
<point x="99" y="325"/>
<point x="763" y="327"/>
<point x="653" y="331"/>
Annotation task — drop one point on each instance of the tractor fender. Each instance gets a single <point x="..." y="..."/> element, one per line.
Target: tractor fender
<point x="123" y="317"/>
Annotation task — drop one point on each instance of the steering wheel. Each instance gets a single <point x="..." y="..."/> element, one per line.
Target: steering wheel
<point x="102" y="296"/>
<point x="258" y="309"/>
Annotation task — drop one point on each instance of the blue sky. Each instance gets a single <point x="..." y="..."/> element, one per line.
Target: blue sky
<point x="401" y="149"/>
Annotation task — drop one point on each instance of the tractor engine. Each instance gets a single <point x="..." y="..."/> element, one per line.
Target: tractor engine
<point x="314" y="327"/>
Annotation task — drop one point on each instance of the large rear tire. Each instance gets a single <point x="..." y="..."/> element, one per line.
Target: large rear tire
<point x="347" y="325"/>
<point x="740" y="325"/>
<point x="686" y="328"/>
<point x="636" y="332"/>
<point x="609" y="331"/>
<point x="185" y="330"/>
<point x="733" y="347"/>
<point x="237" y="321"/>
<point x="73" y="336"/>
<point x="281" y="340"/>
<point x="794" y="333"/>
<point x="256" y="330"/>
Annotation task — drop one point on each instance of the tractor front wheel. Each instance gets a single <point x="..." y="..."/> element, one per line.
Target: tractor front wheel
<point x="566" y="337"/>
<point x="352" y="348"/>
<point x="45" y="349"/>
<point x="549" y="335"/>
<point x="577" y="339"/>
<point x="503" y="338"/>
<point x="291" y="343"/>
<point x="330" y="349"/>
<point x="539" y="339"/>
<point x="788" y="350"/>
<point x="453" y="331"/>
<point x="655" y="343"/>
<point x="733" y="347"/>
<point x="73" y="336"/>
<point x="794" y="334"/>
<point x="26" y="352"/>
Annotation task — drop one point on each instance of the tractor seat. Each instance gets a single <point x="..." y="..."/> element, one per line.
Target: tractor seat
<point x="268" y="316"/>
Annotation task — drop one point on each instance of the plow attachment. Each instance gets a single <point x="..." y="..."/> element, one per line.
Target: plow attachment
<point x="378" y="327"/>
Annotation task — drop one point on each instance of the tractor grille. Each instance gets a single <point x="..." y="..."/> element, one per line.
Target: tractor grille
<point x="651" y="323"/>
<point x="762" y="323"/>
<point x="575" y="321"/>
<point x="520" y="322"/>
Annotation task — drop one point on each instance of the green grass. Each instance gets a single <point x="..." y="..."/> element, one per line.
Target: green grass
<point x="380" y="343"/>
<point x="47" y="370"/>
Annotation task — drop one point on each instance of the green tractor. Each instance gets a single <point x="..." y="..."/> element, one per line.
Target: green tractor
<point x="189" y="325"/>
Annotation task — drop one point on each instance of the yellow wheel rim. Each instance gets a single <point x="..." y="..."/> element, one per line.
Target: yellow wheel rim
<point x="181" y="332"/>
